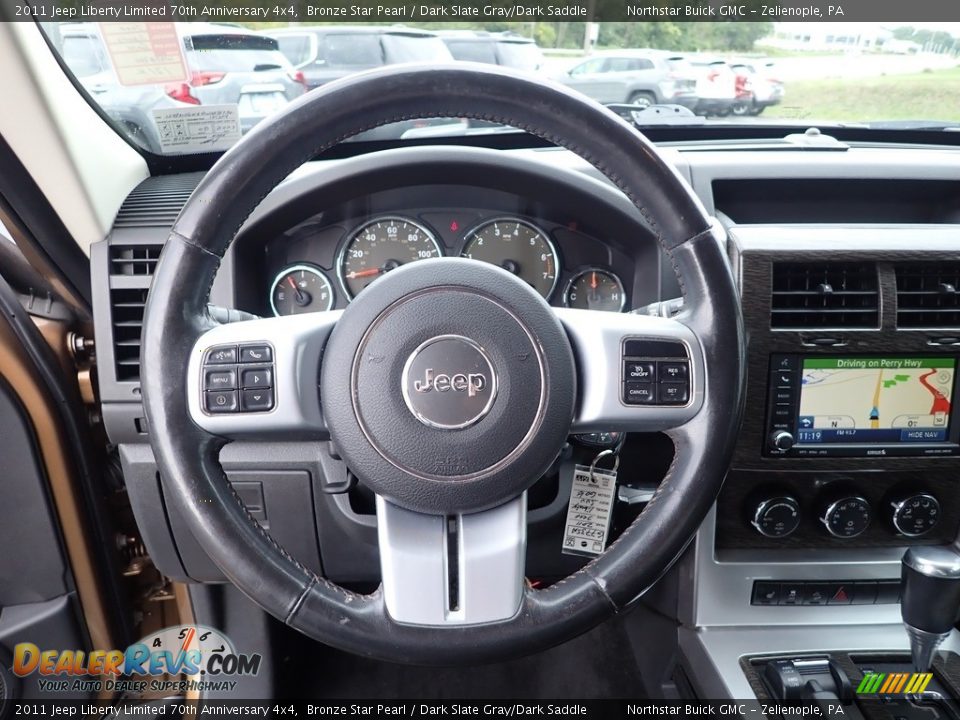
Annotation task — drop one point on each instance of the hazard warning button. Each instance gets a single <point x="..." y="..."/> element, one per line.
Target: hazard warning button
<point x="840" y="594"/>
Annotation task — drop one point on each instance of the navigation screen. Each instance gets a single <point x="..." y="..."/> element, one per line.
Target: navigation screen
<point x="875" y="400"/>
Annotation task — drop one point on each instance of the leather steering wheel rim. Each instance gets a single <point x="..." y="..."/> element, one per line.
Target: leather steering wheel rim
<point x="177" y="315"/>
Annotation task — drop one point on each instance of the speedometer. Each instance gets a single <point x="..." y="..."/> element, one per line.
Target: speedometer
<point x="381" y="245"/>
<point x="519" y="247"/>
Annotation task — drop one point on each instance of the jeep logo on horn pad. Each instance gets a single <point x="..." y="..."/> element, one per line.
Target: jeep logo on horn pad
<point x="449" y="382"/>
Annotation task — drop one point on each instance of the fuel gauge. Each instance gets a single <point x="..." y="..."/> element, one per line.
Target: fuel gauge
<point x="301" y="289"/>
<point x="595" y="289"/>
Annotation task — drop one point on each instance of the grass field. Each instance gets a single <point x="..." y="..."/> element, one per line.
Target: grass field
<point x="933" y="95"/>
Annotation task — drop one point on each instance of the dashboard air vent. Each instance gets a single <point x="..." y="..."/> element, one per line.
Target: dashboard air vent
<point x="157" y="201"/>
<point x="824" y="295"/>
<point x="928" y="295"/>
<point x="127" y="306"/>
<point x="134" y="259"/>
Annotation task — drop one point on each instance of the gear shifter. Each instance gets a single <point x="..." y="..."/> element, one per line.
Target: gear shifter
<point x="930" y="599"/>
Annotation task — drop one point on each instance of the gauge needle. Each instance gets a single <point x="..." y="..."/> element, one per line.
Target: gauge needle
<point x="593" y="280"/>
<point x="296" y="289"/>
<point x="364" y="273"/>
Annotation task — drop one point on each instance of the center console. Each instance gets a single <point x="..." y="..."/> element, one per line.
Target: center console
<point x="847" y="457"/>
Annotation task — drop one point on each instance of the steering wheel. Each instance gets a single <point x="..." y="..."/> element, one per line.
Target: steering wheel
<point x="448" y="387"/>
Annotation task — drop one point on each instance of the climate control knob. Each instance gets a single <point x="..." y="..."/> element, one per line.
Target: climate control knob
<point x="781" y="440"/>
<point x="776" y="517"/>
<point x="915" y="515"/>
<point x="847" y="516"/>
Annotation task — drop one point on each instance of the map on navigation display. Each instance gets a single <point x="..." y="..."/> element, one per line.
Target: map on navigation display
<point x="875" y="399"/>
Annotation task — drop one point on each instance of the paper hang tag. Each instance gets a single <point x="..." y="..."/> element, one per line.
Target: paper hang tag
<point x="590" y="511"/>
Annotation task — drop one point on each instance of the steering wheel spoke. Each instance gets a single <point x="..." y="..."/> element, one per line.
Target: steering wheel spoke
<point x="465" y="569"/>
<point x="636" y="373"/>
<point x="258" y="378"/>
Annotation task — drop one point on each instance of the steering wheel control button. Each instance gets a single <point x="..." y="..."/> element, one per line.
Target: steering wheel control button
<point x="672" y="371"/>
<point x="220" y="401"/>
<point x="639" y="371"/>
<point x="259" y="377"/>
<point x="222" y="355"/>
<point x="256" y="354"/>
<point x="258" y="400"/>
<point x="659" y="376"/>
<point x="449" y="383"/>
<point x="639" y="393"/>
<point x="220" y="379"/>
<point x="673" y="393"/>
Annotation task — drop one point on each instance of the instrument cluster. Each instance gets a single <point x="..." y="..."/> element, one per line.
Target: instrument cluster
<point x="324" y="266"/>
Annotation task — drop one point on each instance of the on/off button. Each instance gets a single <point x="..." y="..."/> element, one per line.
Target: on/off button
<point x="639" y="371"/>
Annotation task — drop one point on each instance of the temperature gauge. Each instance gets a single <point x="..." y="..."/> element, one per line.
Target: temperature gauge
<point x="301" y="289"/>
<point x="596" y="289"/>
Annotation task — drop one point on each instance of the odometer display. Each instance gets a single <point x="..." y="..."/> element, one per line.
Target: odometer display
<point x="518" y="247"/>
<point x="381" y="245"/>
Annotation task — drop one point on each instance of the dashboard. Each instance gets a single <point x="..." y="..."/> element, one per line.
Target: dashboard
<point x="847" y="266"/>
<point x="571" y="257"/>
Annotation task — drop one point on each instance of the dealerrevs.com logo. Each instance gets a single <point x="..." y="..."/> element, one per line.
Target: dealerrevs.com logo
<point x="203" y="658"/>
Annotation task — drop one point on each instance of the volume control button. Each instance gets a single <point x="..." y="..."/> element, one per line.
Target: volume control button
<point x="781" y="440"/>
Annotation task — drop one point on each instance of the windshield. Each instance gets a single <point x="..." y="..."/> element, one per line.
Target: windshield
<point x="415" y="48"/>
<point x="151" y="78"/>
<point x="521" y="56"/>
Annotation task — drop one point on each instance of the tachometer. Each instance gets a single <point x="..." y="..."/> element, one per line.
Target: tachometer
<point x="301" y="289"/>
<point x="381" y="245"/>
<point x="519" y="247"/>
<point x="595" y="289"/>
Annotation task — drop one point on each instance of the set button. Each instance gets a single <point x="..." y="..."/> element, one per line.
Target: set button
<point x="238" y="379"/>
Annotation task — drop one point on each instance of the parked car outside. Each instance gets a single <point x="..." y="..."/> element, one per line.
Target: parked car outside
<point x="227" y="66"/>
<point x="638" y="77"/>
<point x="505" y="48"/>
<point x="715" y="81"/>
<point x="761" y="87"/>
<point x="327" y="52"/>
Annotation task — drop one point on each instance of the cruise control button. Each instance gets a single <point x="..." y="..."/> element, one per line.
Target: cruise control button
<point x="222" y="355"/>
<point x="638" y="371"/>
<point x="256" y="377"/>
<point x="673" y="393"/>
<point x="255" y="354"/>
<point x="257" y="400"/>
<point x="220" y="379"/>
<point x="672" y="371"/>
<point x="220" y="401"/>
<point x="635" y="393"/>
